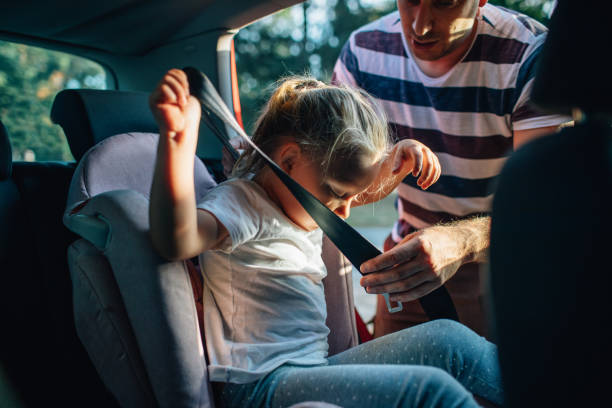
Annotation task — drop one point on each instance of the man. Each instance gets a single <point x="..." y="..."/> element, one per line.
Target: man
<point x="455" y="75"/>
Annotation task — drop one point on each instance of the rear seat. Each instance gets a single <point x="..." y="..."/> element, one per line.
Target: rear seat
<point x="39" y="350"/>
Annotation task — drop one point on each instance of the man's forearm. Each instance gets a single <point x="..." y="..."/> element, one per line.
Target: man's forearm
<point x="474" y="234"/>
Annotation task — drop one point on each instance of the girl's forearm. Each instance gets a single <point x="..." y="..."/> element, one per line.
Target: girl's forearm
<point x="172" y="213"/>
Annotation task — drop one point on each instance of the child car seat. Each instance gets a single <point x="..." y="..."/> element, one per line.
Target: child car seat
<point x="135" y="312"/>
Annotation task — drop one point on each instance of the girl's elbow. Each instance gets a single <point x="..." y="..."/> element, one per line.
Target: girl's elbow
<point x="166" y="249"/>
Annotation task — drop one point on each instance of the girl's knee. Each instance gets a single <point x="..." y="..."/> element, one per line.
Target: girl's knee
<point x="449" y="325"/>
<point x="444" y="343"/>
<point x="445" y="331"/>
<point x="440" y="388"/>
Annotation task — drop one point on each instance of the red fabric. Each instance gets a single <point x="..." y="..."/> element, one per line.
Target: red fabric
<point x="198" y="291"/>
<point x="79" y="207"/>
<point x="362" y="330"/>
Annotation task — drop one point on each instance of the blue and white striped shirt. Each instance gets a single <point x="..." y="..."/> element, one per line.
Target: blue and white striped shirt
<point x="467" y="116"/>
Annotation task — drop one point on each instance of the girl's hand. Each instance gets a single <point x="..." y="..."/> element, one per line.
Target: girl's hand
<point x="416" y="158"/>
<point x="177" y="112"/>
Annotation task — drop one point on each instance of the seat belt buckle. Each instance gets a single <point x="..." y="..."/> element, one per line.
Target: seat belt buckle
<point x="391" y="309"/>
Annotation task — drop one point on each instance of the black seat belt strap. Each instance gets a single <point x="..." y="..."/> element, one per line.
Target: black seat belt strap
<point x="437" y="304"/>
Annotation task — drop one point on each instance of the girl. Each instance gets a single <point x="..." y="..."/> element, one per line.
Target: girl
<point x="260" y="254"/>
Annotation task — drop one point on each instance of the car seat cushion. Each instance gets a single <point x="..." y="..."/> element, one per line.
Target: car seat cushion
<point x="338" y="286"/>
<point x="103" y="328"/>
<point x="153" y="294"/>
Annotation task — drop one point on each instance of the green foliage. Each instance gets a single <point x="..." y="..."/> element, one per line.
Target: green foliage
<point x="537" y="9"/>
<point x="30" y="78"/>
<point x="277" y="46"/>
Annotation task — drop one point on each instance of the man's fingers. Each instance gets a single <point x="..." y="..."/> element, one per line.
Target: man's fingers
<point x="415" y="293"/>
<point x="415" y="277"/>
<point x="403" y="252"/>
<point x="397" y="273"/>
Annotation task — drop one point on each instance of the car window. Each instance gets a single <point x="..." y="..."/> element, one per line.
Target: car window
<point x="30" y="77"/>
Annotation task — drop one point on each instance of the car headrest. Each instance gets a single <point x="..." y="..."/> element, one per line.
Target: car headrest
<point x="573" y="72"/>
<point x="124" y="162"/>
<point x="6" y="155"/>
<point x="89" y="116"/>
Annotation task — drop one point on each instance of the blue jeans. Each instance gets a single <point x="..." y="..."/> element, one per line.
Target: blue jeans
<point x="436" y="364"/>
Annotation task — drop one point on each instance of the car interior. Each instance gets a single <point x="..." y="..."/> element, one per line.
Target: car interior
<point x="42" y="356"/>
<point x="92" y="316"/>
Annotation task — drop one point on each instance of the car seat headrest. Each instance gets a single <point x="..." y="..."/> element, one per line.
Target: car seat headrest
<point x="6" y="155"/>
<point x="124" y="162"/>
<point x="89" y="116"/>
<point x="573" y="72"/>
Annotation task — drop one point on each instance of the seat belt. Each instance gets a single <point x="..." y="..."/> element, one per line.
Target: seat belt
<point x="437" y="304"/>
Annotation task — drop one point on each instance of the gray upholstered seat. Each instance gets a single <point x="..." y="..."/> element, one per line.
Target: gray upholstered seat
<point x="135" y="312"/>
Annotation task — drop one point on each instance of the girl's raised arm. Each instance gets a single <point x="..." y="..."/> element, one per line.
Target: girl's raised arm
<point x="178" y="229"/>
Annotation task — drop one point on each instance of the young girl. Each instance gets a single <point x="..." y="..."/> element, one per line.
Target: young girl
<point x="260" y="254"/>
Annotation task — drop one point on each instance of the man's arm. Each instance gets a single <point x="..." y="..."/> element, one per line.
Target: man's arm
<point x="426" y="259"/>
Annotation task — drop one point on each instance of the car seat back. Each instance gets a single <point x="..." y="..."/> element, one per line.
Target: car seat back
<point x="40" y="350"/>
<point x="135" y="311"/>
<point x="89" y="116"/>
<point x="141" y="327"/>
<point x="549" y="263"/>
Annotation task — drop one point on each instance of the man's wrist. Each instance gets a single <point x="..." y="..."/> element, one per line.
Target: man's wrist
<point x="472" y="237"/>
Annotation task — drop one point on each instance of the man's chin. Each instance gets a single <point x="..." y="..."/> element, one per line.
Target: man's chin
<point x="425" y="55"/>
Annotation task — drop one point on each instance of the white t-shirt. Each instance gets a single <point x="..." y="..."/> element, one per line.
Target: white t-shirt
<point x="264" y="303"/>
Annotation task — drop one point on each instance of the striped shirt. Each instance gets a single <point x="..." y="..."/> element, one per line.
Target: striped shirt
<point x="467" y="116"/>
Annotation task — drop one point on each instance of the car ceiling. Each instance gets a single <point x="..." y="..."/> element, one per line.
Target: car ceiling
<point x="126" y="27"/>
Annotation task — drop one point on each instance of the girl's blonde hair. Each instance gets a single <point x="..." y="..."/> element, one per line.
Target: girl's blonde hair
<point x="338" y="126"/>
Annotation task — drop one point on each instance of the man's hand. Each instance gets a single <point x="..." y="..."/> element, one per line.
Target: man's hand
<point x="424" y="260"/>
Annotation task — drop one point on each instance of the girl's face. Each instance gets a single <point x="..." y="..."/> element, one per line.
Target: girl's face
<point x="337" y="195"/>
